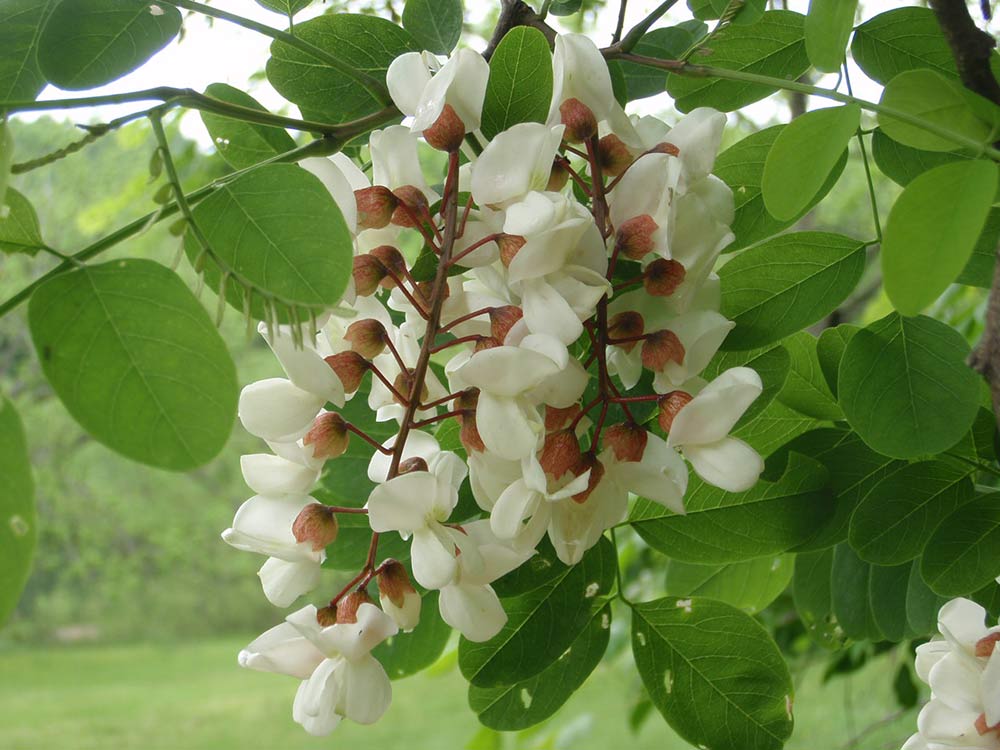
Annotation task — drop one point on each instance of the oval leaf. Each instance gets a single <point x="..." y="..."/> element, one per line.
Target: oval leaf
<point x="542" y="623"/>
<point x="520" y="83"/>
<point x="664" y="44"/>
<point x="88" y="44"/>
<point x="281" y="231"/>
<point x="805" y="389"/>
<point x="786" y="284"/>
<point x="932" y="229"/>
<point x="937" y="100"/>
<point x="243" y="144"/>
<point x="774" y="46"/>
<point x="749" y="585"/>
<point x="18" y="530"/>
<point x="897" y="517"/>
<point x="21" y="23"/>
<point x="813" y="595"/>
<point x="817" y="138"/>
<point x="741" y="166"/>
<point x="963" y="553"/>
<point x="828" y="27"/>
<point x="19" y="229"/>
<point x="137" y="361"/>
<point x="905" y="388"/>
<point x="869" y="601"/>
<point x="714" y="673"/>
<point x="436" y="25"/>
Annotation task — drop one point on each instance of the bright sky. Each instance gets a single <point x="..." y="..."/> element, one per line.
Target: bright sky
<point x="219" y="51"/>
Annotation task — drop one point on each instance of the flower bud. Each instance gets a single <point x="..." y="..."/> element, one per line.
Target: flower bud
<point x="368" y="273"/>
<point x="416" y="463"/>
<point x="466" y="402"/>
<point x="375" y="207"/>
<point x="560" y="453"/>
<point x="579" y="120"/>
<point x="423" y="292"/>
<point x="509" y="245"/>
<point x="326" y="616"/>
<point x="558" y="177"/>
<point x="627" y="440"/>
<point x="404" y="386"/>
<point x="984" y="646"/>
<point x="635" y="237"/>
<point x="447" y="132"/>
<point x="347" y="608"/>
<point x="328" y="436"/>
<point x="316" y="524"/>
<point x="662" y="277"/>
<point x="665" y="148"/>
<point x="626" y="325"/>
<point x="485" y="342"/>
<point x="398" y="597"/>
<point x="412" y="208"/>
<point x="983" y="728"/>
<point x="502" y="319"/>
<point x="350" y="367"/>
<point x="661" y="347"/>
<point x="596" y="475"/>
<point x="367" y="337"/>
<point x="392" y="261"/>
<point x="669" y="405"/>
<point x="613" y="155"/>
<point x="557" y="419"/>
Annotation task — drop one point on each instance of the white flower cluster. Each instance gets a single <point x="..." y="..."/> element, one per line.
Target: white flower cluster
<point x="526" y="315"/>
<point x="964" y="675"/>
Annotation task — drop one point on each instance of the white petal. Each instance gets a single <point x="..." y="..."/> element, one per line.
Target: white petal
<point x="474" y="611"/>
<point x="579" y="72"/>
<point x="406" y="79"/>
<point x="505" y="428"/>
<point x="661" y="475"/>
<point x="545" y="311"/>
<point x="274" y="409"/>
<point x="928" y="654"/>
<point x="418" y="445"/>
<point x="317" y="698"/>
<point x="403" y="503"/>
<point x="517" y="504"/>
<point x="263" y="524"/>
<point x="712" y="413"/>
<point x="698" y="136"/>
<point x="961" y="622"/>
<point x="282" y="649"/>
<point x="284" y="582"/>
<point x="955" y="682"/>
<point x="433" y="563"/>
<point x="506" y="371"/>
<point x="515" y="162"/>
<point x="990" y="685"/>
<point x="303" y="364"/>
<point x="272" y="475"/>
<point x="729" y="464"/>
<point x="368" y="690"/>
<point x="337" y="183"/>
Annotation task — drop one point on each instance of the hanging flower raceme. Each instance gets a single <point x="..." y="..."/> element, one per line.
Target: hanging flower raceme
<point x="538" y="311"/>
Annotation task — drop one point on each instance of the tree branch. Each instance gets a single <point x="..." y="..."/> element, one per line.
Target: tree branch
<point x="517" y="13"/>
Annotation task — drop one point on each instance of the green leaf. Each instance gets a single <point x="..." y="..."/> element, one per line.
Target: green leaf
<point x="279" y="228"/>
<point x="936" y="100"/>
<point x="828" y="28"/>
<point x="710" y="10"/>
<point x="540" y="569"/>
<point x="830" y="349"/>
<point x="435" y="25"/>
<point x="741" y="166"/>
<point x="750" y="585"/>
<point x="813" y="595"/>
<point x="664" y="44"/>
<point x="869" y="601"/>
<point x="905" y="388"/>
<point x="284" y="7"/>
<point x="243" y="144"/>
<point x="406" y="654"/>
<point x="19" y="229"/>
<point x="786" y="284"/>
<point x="774" y="46"/>
<point x="854" y="470"/>
<point x="6" y="157"/>
<point x="963" y="553"/>
<point x="903" y="164"/>
<point x="771" y="364"/>
<point x="774" y="427"/>
<point x="979" y="269"/>
<point x="817" y="138"/>
<point x="900" y="40"/>
<point x="18" y="530"/>
<point x="805" y="389"/>
<point x="136" y="361"/>
<point x="922" y="604"/>
<point x="895" y="520"/>
<point x="521" y="705"/>
<point x="520" y="84"/>
<point x="565" y="7"/>
<point x="21" y="23"/>
<point x="366" y="44"/>
<point x="724" y="527"/>
<point x="87" y="44"/>
<point x="932" y="230"/>
<point x="542" y="623"/>
<point x="714" y="673"/>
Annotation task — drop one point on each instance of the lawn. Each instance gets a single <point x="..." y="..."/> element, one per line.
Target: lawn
<point x="192" y="696"/>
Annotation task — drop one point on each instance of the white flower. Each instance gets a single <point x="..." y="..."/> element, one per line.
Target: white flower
<point x="341" y="679"/>
<point x="395" y="162"/>
<point x="331" y="172"/>
<point x="701" y="430"/>
<point x="964" y="676"/>
<point x="264" y="525"/>
<point x="303" y="361"/>
<point x="420" y="87"/>
<point x="660" y="476"/>
<point x="514" y="163"/>
<point x="275" y="409"/>
<point x="575" y="527"/>
<point x="649" y="188"/>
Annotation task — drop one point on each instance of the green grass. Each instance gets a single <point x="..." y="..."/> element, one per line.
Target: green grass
<point x="193" y="696"/>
